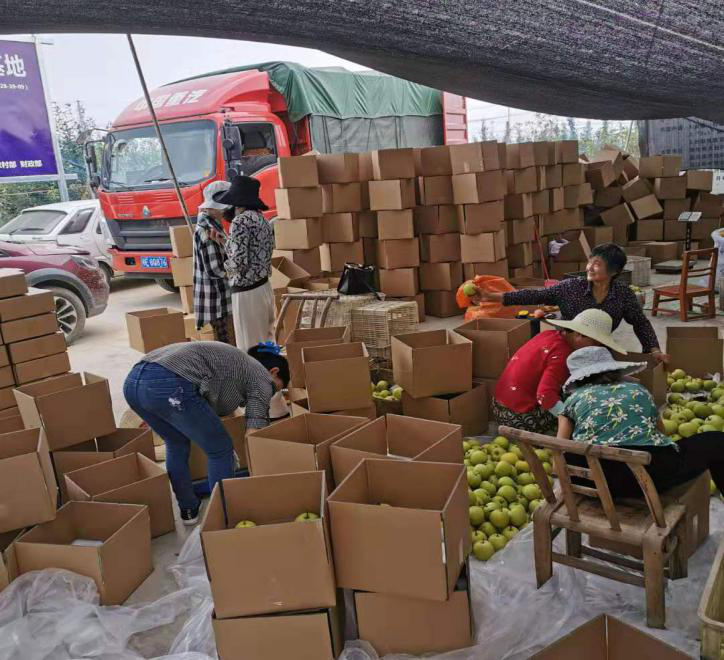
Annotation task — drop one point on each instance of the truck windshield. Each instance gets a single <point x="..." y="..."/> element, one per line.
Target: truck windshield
<point x="133" y="158"/>
<point x="33" y="222"/>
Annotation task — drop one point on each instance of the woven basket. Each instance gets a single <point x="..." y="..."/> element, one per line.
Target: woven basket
<point x="376" y="323"/>
<point x="340" y="313"/>
<point x="640" y="268"/>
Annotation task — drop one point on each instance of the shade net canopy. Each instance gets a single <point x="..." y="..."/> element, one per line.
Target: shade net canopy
<point x="608" y="59"/>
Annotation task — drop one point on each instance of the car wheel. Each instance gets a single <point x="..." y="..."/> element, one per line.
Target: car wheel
<point x="166" y="285"/>
<point x="107" y="272"/>
<point x="70" y="312"/>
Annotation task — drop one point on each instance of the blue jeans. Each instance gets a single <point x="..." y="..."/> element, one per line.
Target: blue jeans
<point x="173" y="408"/>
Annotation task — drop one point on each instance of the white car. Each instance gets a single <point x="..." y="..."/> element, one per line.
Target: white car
<point x="74" y="224"/>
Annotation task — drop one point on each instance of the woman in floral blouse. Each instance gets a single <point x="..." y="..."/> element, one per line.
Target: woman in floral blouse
<point x="604" y="409"/>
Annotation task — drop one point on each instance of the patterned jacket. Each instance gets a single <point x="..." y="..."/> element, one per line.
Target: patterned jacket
<point x="249" y="249"/>
<point x="212" y="293"/>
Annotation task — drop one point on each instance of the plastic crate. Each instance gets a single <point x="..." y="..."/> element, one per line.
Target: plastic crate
<point x="640" y="269"/>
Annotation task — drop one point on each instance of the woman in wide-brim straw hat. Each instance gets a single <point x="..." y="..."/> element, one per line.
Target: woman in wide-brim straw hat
<point x="604" y="409"/>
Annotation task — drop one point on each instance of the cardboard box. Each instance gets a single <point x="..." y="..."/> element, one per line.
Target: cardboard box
<point x="661" y="251"/>
<point x="309" y="635"/>
<point x="118" y="565"/>
<point x="12" y="282"/>
<point x="435" y="219"/>
<point x="11" y="423"/>
<point x="703" y="229"/>
<point x="436" y="190"/>
<point x="541" y="202"/>
<point x="630" y="166"/>
<point x="653" y="378"/>
<point x="518" y="206"/>
<point x="393" y="225"/>
<point x="129" y="479"/>
<point x="182" y="270"/>
<point x="600" y="175"/>
<point x="44" y="367"/>
<point x="567" y="151"/>
<point x="673" y="230"/>
<point x="301" y="407"/>
<point x="45" y="404"/>
<point x="308" y="260"/>
<point x="439" y="248"/>
<point x="636" y="189"/>
<point x="337" y="377"/>
<point x="709" y="205"/>
<point x="399" y="282"/>
<point x="556" y="199"/>
<point x="28" y="489"/>
<point x="671" y="187"/>
<point x="301" y="234"/>
<point x="496" y="268"/>
<point x="494" y="342"/>
<point x="421" y="362"/>
<point x="7" y="378"/>
<point x="650" y="230"/>
<point x="651" y="167"/>
<point x="8" y="567"/>
<point x="618" y="215"/>
<point x="34" y="326"/>
<point x="341" y="197"/>
<point x="697" y="350"/>
<point x="396" y="437"/>
<point x="419" y="300"/>
<point x="520" y="231"/>
<point x="369" y="248"/>
<point x="298" y="171"/>
<point x="478" y="187"/>
<point x="469" y="409"/>
<point x="442" y="304"/>
<point x="482" y="248"/>
<point x="577" y="248"/>
<point x="435" y="161"/>
<point x="480" y="218"/>
<point x="182" y="241"/>
<point x="7" y="398"/>
<point x="523" y="180"/>
<point x="561" y="221"/>
<point x="338" y="168"/>
<point x="368" y="224"/>
<point x="235" y="425"/>
<point x="403" y="253"/>
<point x="393" y="164"/>
<point x="392" y="194"/>
<point x="608" y="197"/>
<point x="293" y="203"/>
<point x="573" y="174"/>
<point x="608" y="637"/>
<point x="441" y="276"/>
<point x="149" y="329"/>
<point x="579" y="195"/>
<point x="597" y="235"/>
<point x="186" y="294"/>
<point x="340" y="228"/>
<point x="305" y="337"/>
<point x="372" y="543"/>
<point x="673" y="208"/>
<point x="4" y="359"/>
<point x="554" y="175"/>
<point x="285" y="273"/>
<point x="493" y="154"/>
<point x="520" y="256"/>
<point x="466" y="158"/>
<point x="560" y="269"/>
<point x="697" y="180"/>
<point x="34" y="303"/>
<point x="335" y="255"/>
<point x="294" y="557"/>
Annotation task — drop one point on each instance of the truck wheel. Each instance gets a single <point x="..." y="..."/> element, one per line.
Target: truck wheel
<point x="166" y="285"/>
<point x="70" y="312"/>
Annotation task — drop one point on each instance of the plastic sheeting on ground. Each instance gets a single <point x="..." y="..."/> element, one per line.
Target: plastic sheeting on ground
<point x="54" y="615"/>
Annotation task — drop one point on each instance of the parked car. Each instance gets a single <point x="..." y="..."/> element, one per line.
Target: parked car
<point x="75" y="224"/>
<point x="78" y="284"/>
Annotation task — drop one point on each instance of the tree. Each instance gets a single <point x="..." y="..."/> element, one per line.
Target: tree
<point x="483" y="135"/>
<point x="572" y="131"/>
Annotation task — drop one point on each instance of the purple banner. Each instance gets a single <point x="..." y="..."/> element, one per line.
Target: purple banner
<point x="26" y="146"/>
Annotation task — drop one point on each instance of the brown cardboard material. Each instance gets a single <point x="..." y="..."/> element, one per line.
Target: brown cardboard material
<point x="187" y="299"/>
<point x="301" y="407"/>
<point x="335" y="255"/>
<point x="554" y="176"/>
<point x="11" y="423"/>
<point x="419" y="300"/>
<point x="436" y="190"/>
<point x="395" y="437"/>
<point x="703" y="229"/>
<point x="44" y="367"/>
<point x="673" y="208"/>
<point x="286" y="273"/>
<point x="520" y="256"/>
<point x="392" y="194"/>
<point x="697" y="350"/>
<point x="394" y="225"/>
<point x="673" y="230"/>
<point x="371" y="552"/>
<point x="469" y="409"/>
<point x="340" y="228"/>
<point x="301" y="234"/>
<point x="12" y="282"/>
<point x="393" y="164"/>
<point x="34" y="303"/>
<point x="494" y="342"/>
<point x="650" y="230"/>
<point x="7" y="398"/>
<point x="4" y="358"/>
<point x="600" y="175"/>
<point x="661" y="251"/>
<point x="7" y="378"/>
<point x="442" y="304"/>
<point x="8" y="565"/>
<point x="573" y="174"/>
<point x="421" y="362"/>
<point x="149" y="329"/>
<point x="435" y="219"/>
<point x="435" y="161"/>
<point x="337" y="377"/>
<point x="523" y="180"/>
<point x="608" y="197"/>
<point x="182" y="270"/>
<point x="466" y="158"/>
<point x="129" y="479"/>
<point x="496" y="268"/>
<point x="699" y="180"/>
<point x="403" y="253"/>
<point x="709" y="205"/>
<point x="479" y="187"/>
<point x="321" y="283"/>
<point x="338" y="168"/>
<point x="560" y="269"/>
<point x="579" y="195"/>
<point x="480" y="218"/>
<point x="561" y="221"/>
<point x="651" y="167"/>
<point x="28" y="489"/>
<point x="235" y="425"/>
<point x="298" y="171"/>
<point x="597" y="235"/>
<point x="671" y="187"/>
<point x="308" y="260"/>
<point x="439" y="248"/>
<point x="182" y="242"/>
<point x="294" y="203"/>
<point x="520" y="231"/>
<point x="618" y="215"/>
<point x="303" y="337"/>
<point x="341" y="197"/>
<point x="368" y="224"/>
<point x="298" y="444"/>
<point x="34" y="326"/>
<point x="577" y="248"/>
<point x="541" y="202"/>
<point x="631" y="167"/>
<point x="518" y="206"/>
<point x="606" y="637"/>
<point x="294" y="557"/>
<point x="636" y="189"/>
<point x="399" y="282"/>
<point x="45" y="404"/>
<point x="482" y="248"/>
<point x="653" y="378"/>
<point x="118" y="565"/>
<point x="556" y="199"/>
<point x="512" y="156"/>
<point x="441" y="276"/>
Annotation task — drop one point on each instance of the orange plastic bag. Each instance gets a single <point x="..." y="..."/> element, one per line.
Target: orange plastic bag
<point x="490" y="284"/>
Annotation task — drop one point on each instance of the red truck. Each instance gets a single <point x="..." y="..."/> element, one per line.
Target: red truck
<point x="240" y="121"/>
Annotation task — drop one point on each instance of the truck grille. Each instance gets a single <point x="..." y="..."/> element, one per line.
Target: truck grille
<point x="134" y="235"/>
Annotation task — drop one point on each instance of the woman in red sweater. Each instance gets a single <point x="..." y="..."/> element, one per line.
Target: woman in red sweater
<point x="528" y="393"/>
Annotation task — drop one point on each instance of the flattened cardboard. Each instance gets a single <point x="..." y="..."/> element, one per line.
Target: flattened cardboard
<point x="34" y="303"/>
<point x="442" y="304"/>
<point x="393" y="164"/>
<point x="28" y="489"/>
<point x="129" y="479"/>
<point x="393" y="225"/>
<point x="45" y="404"/>
<point x="34" y="326"/>
<point x="403" y="253"/>
<point x="301" y="337"/>
<point x="697" y="350"/>
<point x="44" y="367"/>
<point x="440" y="248"/>
<point x="421" y="362"/>
<point x="469" y="409"/>
<point x="371" y="543"/>
<point x="149" y="329"/>
<point x="399" y="282"/>
<point x="280" y="565"/>
<point x="482" y="248"/>
<point x="118" y="565"/>
<point x="435" y="219"/>
<point x="392" y="195"/>
<point x="301" y="234"/>
<point x="293" y="203"/>
<point x="441" y="276"/>
<point x="494" y="342"/>
<point x="338" y="168"/>
<point x="298" y="171"/>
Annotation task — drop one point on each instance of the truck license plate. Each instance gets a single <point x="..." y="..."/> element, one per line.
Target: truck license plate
<point x="154" y="262"/>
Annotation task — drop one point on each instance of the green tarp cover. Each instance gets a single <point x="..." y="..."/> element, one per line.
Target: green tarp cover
<point x="336" y="92"/>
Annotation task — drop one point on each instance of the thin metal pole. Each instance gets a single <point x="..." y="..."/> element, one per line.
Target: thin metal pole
<point x="151" y="109"/>
<point x="628" y="135"/>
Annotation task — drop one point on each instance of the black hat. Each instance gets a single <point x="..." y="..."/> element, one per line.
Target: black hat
<point x="244" y="192"/>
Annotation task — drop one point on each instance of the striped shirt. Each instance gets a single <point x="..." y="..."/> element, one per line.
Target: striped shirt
<point x="226" y="377"/>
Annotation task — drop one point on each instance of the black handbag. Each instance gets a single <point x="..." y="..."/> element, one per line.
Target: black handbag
<point x="357" y="280"/>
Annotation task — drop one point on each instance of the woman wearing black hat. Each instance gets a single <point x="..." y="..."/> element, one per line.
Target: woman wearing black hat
<point x="248" y="263"/>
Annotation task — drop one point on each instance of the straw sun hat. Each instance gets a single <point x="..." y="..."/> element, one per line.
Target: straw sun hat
<point x="593" y="360"/>
<point x="595" y="324"/>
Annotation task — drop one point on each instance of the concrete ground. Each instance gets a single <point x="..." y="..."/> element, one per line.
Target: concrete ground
<point x="104" y="350"/>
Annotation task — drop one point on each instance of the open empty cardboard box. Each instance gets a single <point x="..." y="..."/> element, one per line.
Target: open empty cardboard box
<point x="396" y="437"/>
<point x="433" y="362"/>
<point x="71" y="408"/>
<point x="304" y="337"/>
<point x="235" y="425"/>
<point x="28" y="489"/>
<point x="278" y="566"/>
<point x="695" y="349"/>
<point x="469" y="409"/>
<point x="149" y="329"/>
<point x="415" y="546"/>
<point x="297" y="444"/>
<point x="129" y="479"/>
<point x="495" y="341"/>
<point x="119" y="560"/>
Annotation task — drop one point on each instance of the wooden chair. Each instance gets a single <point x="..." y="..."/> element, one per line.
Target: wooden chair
<point x="658" y="531"/>
<point x="685" y="293"/>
